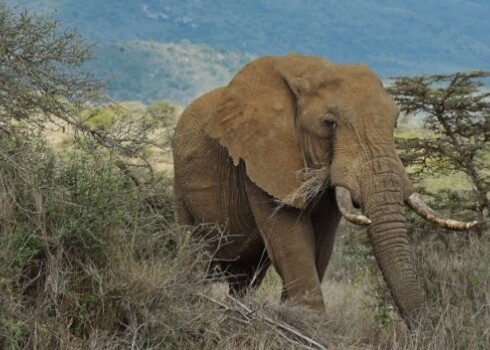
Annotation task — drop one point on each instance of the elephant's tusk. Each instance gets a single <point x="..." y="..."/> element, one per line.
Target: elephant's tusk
<point x="344" y="202"/>
<point x="421" y="208"/>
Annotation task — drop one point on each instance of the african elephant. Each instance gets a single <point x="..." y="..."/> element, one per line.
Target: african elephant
<point x="278" y="156"/>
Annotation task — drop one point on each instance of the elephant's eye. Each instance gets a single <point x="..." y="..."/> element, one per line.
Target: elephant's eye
<point x="330" y="124"/>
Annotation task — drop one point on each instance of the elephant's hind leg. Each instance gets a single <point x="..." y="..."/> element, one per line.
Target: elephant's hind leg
<point x="182" y="215"/>
<point x="245" y="277"/>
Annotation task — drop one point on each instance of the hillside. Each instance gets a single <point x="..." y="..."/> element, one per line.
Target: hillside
<point x="147" y="70"/>
<point x="393" y="37"/>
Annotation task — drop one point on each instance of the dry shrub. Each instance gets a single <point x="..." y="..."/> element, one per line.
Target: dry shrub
<point x="89" y="260"/>
<point x="453" y="271"/>
<point x="456" y="279"/>
<point x="85" y="259"/>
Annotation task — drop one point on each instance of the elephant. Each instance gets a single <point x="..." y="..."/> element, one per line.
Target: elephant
<point x="277" y="157"/>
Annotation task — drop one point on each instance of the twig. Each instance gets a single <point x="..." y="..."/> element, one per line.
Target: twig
<point x="281" y="328"/>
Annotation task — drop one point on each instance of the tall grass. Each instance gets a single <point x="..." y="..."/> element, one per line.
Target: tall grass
<point x="86" y="260"/>
<point x="454" y="273"/>
<point x="90" y="260"/>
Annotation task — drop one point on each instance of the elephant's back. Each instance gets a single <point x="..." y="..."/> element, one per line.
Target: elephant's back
<point x="196" y="155"/>
<point x="197" y="115"/>
<point x="202" y="167"/>
<point x="191" y="147"/>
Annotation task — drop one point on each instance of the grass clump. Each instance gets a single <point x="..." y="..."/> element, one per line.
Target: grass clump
<point x="454" y="275"/>
<point x="87" y="259"/>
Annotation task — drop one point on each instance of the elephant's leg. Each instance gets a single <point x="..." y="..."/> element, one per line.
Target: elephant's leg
<point x="245" y="277"/>
<point x="182" y="215"/>
<point x="290" y="243"/>
<point x="325" y="218"/>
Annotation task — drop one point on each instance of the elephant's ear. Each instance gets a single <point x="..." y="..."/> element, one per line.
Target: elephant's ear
<point x="255" y="121"/>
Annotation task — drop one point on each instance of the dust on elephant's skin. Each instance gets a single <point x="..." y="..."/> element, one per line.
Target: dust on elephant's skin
<point x="274" y="159"/>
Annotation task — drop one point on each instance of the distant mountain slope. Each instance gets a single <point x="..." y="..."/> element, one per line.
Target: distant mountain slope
<point x="146" y="71"/>
<point x="394" y="37"/>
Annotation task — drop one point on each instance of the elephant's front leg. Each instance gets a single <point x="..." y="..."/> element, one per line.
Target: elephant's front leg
<point x="290" y="243"/>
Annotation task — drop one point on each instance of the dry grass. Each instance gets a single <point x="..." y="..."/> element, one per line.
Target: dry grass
<point x="89" y="261"/>
<point x="456" y="279"/>
<point x="313" y="182"/>
<point x="359" y="309"/>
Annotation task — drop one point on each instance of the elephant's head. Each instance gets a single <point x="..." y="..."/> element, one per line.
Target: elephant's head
<point x="293" y="116"/>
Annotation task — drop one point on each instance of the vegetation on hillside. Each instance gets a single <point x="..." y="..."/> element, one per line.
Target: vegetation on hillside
<point x="395" y="37"/>
<point x="348" y="30"/>
<point x="149" y="70"/>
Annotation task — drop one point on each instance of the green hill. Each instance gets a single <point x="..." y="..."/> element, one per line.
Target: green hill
<point x="393" y="37"/>
<point x="146" y="70"/>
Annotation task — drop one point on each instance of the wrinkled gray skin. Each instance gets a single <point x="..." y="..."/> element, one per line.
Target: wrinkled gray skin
<point x="238" y="155"/>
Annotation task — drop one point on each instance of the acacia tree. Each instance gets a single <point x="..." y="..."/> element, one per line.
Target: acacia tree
<point x="43" y="79"/>
<point x="456" y="109"/>
<point x="41" y="75"/>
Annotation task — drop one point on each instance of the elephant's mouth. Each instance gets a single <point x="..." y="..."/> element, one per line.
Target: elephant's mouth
<point x="350" y="210"/>
<point x="357" y="205"/>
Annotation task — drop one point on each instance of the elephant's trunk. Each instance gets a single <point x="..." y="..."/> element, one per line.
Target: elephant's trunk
<point x="384" y="205"/>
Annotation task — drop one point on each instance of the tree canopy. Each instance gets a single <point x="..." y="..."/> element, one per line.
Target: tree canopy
<point x="456" y="109"/>
<point x="41" y="69"/>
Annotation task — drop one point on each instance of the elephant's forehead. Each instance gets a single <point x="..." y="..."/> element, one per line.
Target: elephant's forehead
<point x="347" y="75"/>
<point x="353" y="100"/>
<point x="351" y="83"/>
<point x="360" y="83"/>
<point x="355" y="93"/>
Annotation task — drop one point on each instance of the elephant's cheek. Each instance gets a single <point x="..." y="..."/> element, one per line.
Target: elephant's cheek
<point x="317" y="151"/>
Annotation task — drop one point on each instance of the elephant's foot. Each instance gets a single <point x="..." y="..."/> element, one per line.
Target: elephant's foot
<point x="312" y="300"/>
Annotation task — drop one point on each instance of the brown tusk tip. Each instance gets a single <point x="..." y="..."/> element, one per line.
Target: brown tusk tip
<point x="362" y="220"/>
<point x="473" y="224"/>
<point x="344" y="203"/>
<point x="416" y="203"/>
